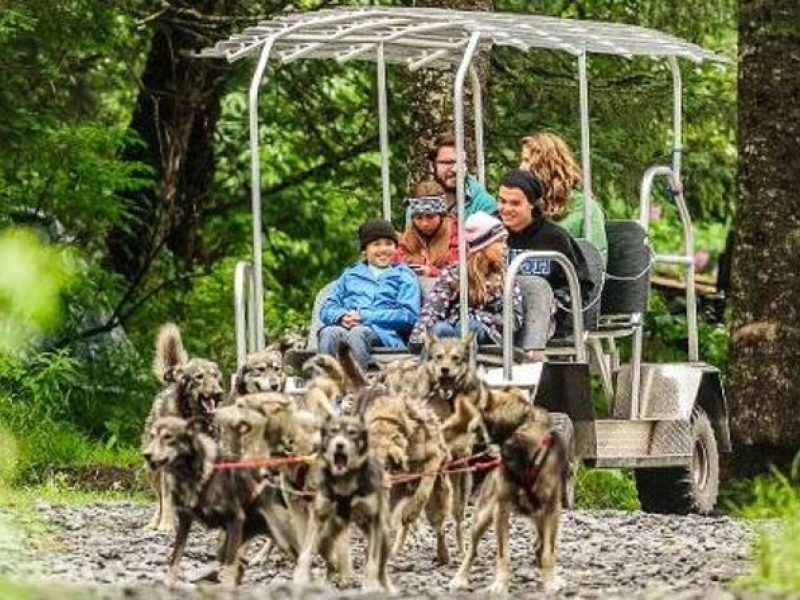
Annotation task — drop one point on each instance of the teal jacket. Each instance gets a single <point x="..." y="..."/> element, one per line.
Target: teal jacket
<point x="476" y="199"/>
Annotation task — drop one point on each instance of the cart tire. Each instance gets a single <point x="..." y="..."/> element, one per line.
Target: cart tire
<point x="689" y="489"/>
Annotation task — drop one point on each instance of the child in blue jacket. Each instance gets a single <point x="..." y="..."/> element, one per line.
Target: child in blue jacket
<point x="374" y="302"/>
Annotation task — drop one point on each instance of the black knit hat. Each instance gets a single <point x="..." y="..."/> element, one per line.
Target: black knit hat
<point x="530" y="186"/>
<point x="375" y="229"/>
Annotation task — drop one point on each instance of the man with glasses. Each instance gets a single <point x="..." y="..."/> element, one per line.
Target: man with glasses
<point x="442" y="161"/>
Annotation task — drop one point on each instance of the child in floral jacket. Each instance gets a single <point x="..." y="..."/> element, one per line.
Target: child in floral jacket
<point x="486" y="269"/>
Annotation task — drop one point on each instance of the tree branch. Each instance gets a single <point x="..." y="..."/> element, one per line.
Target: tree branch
<point x="302" y="176"/>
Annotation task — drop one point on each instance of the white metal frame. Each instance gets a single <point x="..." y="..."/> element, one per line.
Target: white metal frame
<point x="428" y="37"/>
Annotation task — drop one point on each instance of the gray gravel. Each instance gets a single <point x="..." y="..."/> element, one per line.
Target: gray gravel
<point x="600" y="554"/>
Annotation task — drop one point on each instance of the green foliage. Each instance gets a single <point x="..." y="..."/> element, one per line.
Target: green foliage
<point x="605" y="488"/>
<point x="775" y="497"/>
<point x="630" y="101"/>
<point x="667" y="336"/>
<point x="32" y="279"/>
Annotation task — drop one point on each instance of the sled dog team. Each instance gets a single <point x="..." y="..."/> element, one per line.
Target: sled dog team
<point x="358" y="451"/>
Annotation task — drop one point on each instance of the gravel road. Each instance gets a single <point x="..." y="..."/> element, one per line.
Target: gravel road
<point x="608" y="554"/>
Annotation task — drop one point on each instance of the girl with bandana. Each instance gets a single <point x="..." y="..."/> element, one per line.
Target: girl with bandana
<point x="430" y="242"/>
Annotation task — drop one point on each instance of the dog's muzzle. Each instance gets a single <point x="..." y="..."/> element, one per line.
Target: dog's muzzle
<point x="340" y="459"/>
<point x="153" y="463"/>
<point x="209" y="402"/>
<point x="446" y="379"/>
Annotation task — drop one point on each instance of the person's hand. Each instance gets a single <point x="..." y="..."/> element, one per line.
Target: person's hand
<point x="350" y="319"/>
<point x="535" y="355"/>
<point x="419" y="270"/>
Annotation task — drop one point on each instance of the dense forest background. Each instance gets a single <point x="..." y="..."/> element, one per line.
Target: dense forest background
<point x="129" y="158"/>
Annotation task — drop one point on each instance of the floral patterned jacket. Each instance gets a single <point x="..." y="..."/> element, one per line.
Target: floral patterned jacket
<point x="442" y="304"/>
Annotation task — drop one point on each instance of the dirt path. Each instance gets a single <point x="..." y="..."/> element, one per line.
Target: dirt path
<point x="601" y="554"/>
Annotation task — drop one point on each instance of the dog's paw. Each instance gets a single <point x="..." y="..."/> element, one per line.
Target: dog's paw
<point x="552" y="584"/>
<point x="166" y="523"/>
<point x="229" y="577"/>
<point x="499" y="587"/>
<point x="371" y="585"/>
<point x="171" y="579"/>
<point x="459" y="582"/>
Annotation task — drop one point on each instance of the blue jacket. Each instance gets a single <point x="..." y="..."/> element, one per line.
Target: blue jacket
<point x="389" y="304"/>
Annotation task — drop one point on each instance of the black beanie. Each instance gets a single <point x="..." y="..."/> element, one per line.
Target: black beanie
<point x="529" y="184"/>
<point x="375" y="229"/>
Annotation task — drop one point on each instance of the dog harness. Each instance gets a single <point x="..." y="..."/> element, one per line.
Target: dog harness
<point x="531" y="474"/>
<point x="344" y="508"/>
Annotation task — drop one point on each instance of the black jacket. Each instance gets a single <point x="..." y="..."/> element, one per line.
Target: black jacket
<point x="543" y="234"/>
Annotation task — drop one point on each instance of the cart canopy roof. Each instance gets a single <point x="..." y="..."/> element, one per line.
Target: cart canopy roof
<point x="433" y="37"/>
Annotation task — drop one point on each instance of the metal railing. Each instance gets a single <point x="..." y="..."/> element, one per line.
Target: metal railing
<point x="508" y="298"/>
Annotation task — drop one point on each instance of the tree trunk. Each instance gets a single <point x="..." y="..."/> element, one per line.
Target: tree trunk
<point x="765" y="354"/>
<point x="432" y="89"/>
<point x="175" y="117"/>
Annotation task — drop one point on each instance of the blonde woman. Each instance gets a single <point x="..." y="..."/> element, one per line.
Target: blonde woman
<point x="548" y="157"/>
<point x="486" y="271"/>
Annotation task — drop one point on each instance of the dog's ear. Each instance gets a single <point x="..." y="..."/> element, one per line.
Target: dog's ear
<point x="177" y="374"/>
<point x="355" y="376"/>
<point x="168" y="374"/>
<point x="284" y="344"/>
<point x="430" y="340"/>
<point x="195" y="426"/>
<point x="468" y="340"/>
<point x="238" y="382"/>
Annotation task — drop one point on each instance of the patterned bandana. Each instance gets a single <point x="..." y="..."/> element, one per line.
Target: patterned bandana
<point x="427" y="205"/>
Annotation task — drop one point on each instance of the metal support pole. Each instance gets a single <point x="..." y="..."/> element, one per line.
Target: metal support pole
<point x="255" y="176"/>
<point x="508" y="299"/>
<point x="383" y="132"/>
<point x="461" y="174"/>
<point x="586" y="158"/>
<point x="688" y="230"/>
<point x="255" y="165"/>
<point x="244" y="311"/>
<point x="686" y="259"/>
<point x="636" y="369"/>
<point x="477" y="100"/>
<point x="677" y="117"/>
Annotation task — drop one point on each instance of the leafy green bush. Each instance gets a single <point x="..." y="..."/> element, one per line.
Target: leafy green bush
<point x="775" y="497"/>
<point x="605" y="488"/>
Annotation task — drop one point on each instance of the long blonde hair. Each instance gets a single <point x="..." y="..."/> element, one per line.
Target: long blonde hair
<point x="486" y="272"/>
<point x="548" y="157"/>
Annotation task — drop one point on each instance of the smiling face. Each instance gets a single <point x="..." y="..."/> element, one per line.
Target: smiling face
<point x="515" y="210"/>
<point x="379" y="252"/>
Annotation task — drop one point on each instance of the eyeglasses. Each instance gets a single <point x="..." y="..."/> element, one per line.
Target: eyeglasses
<point x="448" y="163"/>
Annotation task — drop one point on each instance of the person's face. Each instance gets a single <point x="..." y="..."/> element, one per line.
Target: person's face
<point x="427" y="224"/>
<point x="495" y="252"/>
<point x="515" y="210"/>
<point x="444" y="168"/>
<point x="379" y="252"/>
